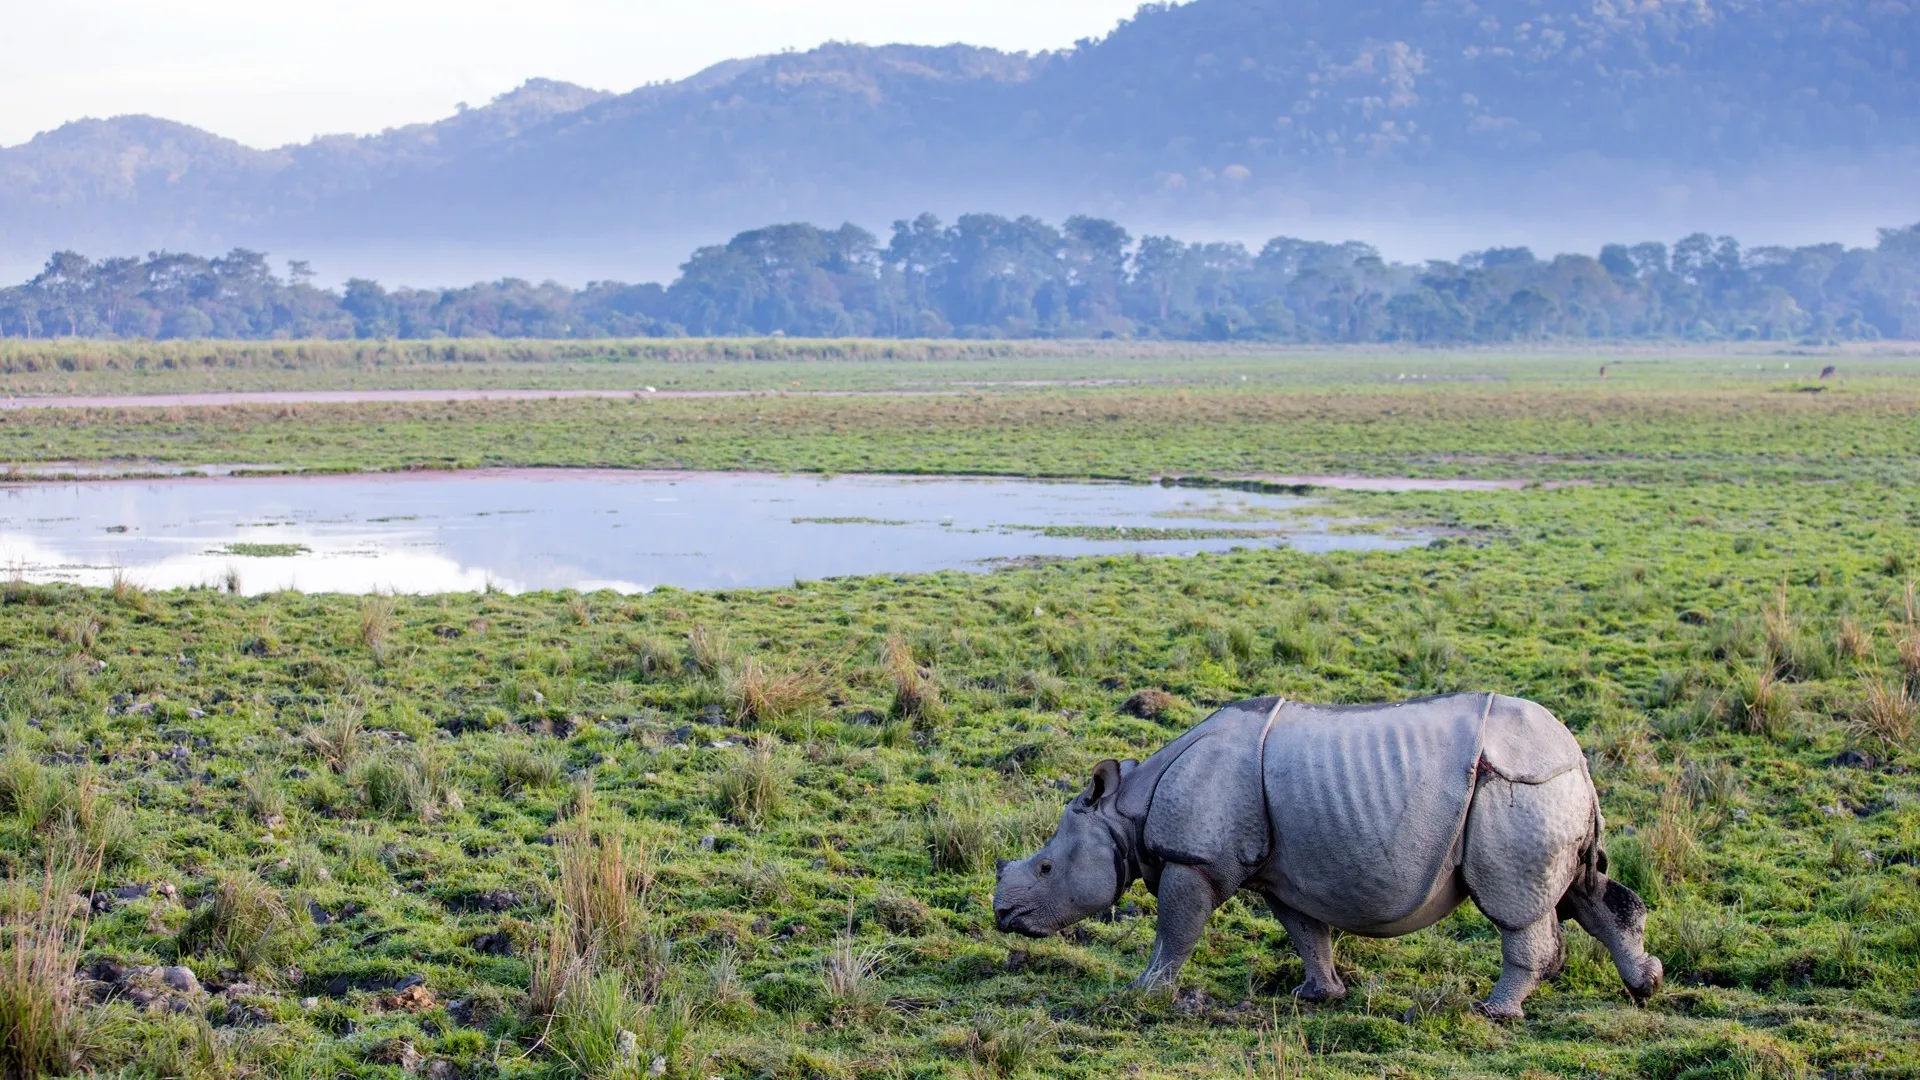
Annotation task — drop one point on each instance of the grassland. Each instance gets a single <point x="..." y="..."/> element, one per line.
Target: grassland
<point x="44" y="368"/>
<point x="754" y="829"/>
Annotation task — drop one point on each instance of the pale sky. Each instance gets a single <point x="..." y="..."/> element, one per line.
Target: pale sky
<point x="269" y="72"/>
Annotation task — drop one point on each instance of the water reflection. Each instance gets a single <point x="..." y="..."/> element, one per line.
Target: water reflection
<point x="534" y="529"/>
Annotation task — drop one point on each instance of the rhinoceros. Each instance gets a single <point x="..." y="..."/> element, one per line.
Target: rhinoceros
<point x="1373" y="819"/>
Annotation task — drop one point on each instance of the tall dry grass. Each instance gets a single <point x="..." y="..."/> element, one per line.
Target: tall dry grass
<point x="916" y="697"/>
<point x="757" y="694"/>
<point x="1885" y="717"/>
<point x="44" y="1028"/>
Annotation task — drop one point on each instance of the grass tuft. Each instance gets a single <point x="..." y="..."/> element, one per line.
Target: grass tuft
<point x="758" y="695"/>
<point x="1885" y="717"/>
<point x="337" y="737"/>
<point x="44" y="1030"/>
<point x="243" y="920"/>
<point x="916" y="697"/>
<point x="1757" y="702"/>
<point x="752" y="786"/>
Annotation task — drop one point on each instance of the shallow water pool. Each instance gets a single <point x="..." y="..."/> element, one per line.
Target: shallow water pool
<point x="518" y="530"/>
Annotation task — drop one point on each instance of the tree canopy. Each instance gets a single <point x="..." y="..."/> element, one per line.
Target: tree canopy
<point x="987" y="276"/>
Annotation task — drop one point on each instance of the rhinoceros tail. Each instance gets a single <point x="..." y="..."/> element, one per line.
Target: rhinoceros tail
<point x="1594" y="854"/>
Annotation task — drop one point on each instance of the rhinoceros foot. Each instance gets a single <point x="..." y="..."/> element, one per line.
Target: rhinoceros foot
<point x="1500" y="1011"/>
<point x="1316" y="991"/>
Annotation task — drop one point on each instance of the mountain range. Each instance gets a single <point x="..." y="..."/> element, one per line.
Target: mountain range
<point x="1231" y="118"/>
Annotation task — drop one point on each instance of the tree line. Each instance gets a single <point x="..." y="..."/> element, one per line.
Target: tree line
<point x="987" y="276"/>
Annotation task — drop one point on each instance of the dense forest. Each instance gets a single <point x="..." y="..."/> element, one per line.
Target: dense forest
<point x="986" y="276"/>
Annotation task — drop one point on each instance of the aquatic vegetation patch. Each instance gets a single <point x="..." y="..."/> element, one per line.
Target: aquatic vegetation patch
<point x="249" y="550"/>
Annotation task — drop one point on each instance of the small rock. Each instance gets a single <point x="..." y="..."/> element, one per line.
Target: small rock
<point x="130" y="892"/>
<point x="179" y="978"/>
<point x="309" y="1002"/>
<point x="629" y="1045"/>
<point x="707" y="842"/>
<point x="440" y="1069"/>
<point x="195" y="714"/>
<point x="1852" y="759"/>
<point x="658" y="1068"/>
<point x="413" y="999"/>
<point x="819" y="864"/>
<point x="454" y="806"/>
<point x="1017" y="959"/>
<point x="407" y="982"/>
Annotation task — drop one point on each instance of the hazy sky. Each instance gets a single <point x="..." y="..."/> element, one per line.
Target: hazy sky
<point x="269" y="72"/>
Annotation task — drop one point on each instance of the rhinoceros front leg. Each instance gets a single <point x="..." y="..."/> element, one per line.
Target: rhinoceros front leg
<point x="1313" y="940"/>
<point x="1186" y="898"/>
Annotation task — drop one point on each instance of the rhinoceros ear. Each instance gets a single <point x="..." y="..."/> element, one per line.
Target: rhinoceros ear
<point x="1106" y="781"/>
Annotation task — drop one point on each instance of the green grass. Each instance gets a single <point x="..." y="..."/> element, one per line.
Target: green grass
<point x="750" y="833"/>
<point x="1681" y="423"/>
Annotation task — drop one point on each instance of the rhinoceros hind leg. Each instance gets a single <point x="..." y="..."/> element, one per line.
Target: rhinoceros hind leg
<point x="1313" y="940"/>
<point x="1528" y="956"/>
<point x="1186" y="898"/>
<point x="1617" y="917"/>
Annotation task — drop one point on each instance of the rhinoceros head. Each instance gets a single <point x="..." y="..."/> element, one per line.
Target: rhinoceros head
<point x="1080" y="872"/>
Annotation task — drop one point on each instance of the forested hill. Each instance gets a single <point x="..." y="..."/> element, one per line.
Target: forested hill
<point x="989" y="276"/>
<point x="1215" y="110"/>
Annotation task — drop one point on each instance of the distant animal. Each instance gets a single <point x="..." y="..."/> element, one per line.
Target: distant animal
<point x="1603" y="371"/>
<point x="1374" y="819"/>
<point x="1828" y="372"/>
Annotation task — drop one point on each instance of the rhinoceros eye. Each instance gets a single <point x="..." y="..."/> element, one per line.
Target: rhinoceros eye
<point x="1045" y="868"/>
